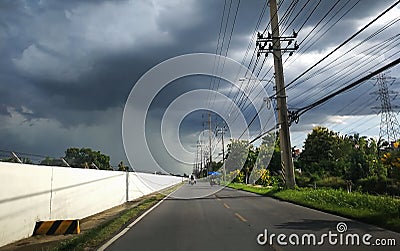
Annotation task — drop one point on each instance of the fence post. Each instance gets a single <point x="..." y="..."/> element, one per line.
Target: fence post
<point x="127" y="185"/>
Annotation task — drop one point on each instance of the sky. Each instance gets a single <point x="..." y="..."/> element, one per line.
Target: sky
<point x="67" y="67"/>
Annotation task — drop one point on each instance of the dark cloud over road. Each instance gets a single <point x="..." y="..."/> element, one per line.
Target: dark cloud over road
<point x="67" y="67"/>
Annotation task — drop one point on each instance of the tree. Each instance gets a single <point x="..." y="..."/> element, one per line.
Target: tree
<point x="13" y="160"/>
<point x="326" y="153"/>
<point x="122" y="167"/>
<point x="241" y="156"/>
<point x="391" y="161"/>
<point x="84" y="157"/>
<point x="249" y="163"/>
<point x="52" y="162"/>
<point x="236" y="155"/>
<point x="265" y="177"/>
<point x="272" y="150"/>
<point x="361" y="154"/>
<point x="323" y="152"/>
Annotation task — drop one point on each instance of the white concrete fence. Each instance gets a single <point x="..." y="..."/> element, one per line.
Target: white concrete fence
<point x="30" y="193"/>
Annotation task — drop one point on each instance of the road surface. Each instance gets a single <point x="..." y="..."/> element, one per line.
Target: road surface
<point x="234" y="220"/>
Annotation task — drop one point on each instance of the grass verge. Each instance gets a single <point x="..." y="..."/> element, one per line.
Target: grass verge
<point x="96" y="236"/>
<point x="383" y="211"/>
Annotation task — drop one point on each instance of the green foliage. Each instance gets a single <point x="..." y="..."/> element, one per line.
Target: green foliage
<point x="83" y="157"/>
<point x="329" y="154"/>
<point x="303" y="180"/>
<point x="52" y="162"/>
<point x="122" y="167"/>
<point x="241" y="156"/>
<point x="12" y="160"/>
<point x="271" y="153"/>
<point x="246" y="163"/>
<point x="265" y="177"/>
<point x="236" y="176"/>
<point x="333" y="182"/>
<point x="254" y="189"/>
<point x="329" y="159"/>
<point x="379" y="185"/>
<point x="237" y="155"/>
<point x="321" y="145"/>
<point x="391" y="160"/>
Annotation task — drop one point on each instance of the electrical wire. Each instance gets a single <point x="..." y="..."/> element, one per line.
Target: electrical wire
<point x="338" y="47"/>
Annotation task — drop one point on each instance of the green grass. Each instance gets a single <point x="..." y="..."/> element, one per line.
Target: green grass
<point x="254" y="189"/>
<point x="383" y="211"/>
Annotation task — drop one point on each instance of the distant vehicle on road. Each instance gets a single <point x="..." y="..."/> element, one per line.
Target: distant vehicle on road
<point x="192" y="180"/>
<point x="214" y="178"/>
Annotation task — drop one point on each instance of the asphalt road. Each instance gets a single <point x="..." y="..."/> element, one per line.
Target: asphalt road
<point x="233" y="220"/>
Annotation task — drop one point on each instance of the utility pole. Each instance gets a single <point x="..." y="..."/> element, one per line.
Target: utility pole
<point x="272" y="44"/>
<point x="201" y="156"/>
<point x="210" y="135"/>
<point x="222" y="131"/>
<point x="196" y="160"/>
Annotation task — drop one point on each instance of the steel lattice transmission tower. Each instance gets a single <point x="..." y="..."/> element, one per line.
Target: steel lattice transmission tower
<point x="389" y="126"/>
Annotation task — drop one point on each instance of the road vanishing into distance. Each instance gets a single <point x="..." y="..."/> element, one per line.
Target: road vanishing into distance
<point x="228" y="219"/>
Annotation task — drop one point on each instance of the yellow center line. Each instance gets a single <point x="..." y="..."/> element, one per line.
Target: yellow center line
<point x="226" y="205"/>
<point x="241" y="217"/>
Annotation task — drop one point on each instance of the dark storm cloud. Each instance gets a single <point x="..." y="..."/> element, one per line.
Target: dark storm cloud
<point x="86" y="78"/>
<point x="74" y="74"/>
<point x="75" y="62"/>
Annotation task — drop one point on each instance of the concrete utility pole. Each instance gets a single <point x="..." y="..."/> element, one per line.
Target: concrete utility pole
<point x="210" y="135"/>
<point x="201" y="156"/>
<point x="284" y="134"/>
<point x="222" y="131"/>
<point x="196" y="160"/>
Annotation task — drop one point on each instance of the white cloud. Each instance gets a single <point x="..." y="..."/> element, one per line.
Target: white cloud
<point x="39" y="63"/>
<point x="65" y="46"/>
<point x="116" y="25"/>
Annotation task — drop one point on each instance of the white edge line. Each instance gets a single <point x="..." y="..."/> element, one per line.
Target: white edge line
<point x="116" y="237"/>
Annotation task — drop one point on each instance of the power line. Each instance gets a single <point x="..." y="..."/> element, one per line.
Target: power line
<point x="229" y="42"/>
<point x="329" y="65"/>
<point x="231" y="106"/>
<point x="211" y="86"/>
<point x="348" y="87"/>
<point x="340" y="46"/>
<point x="309" y="92"/>
<point x="366" y="61"/>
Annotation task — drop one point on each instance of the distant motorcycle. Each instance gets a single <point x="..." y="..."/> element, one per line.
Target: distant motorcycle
<point x="192" y="181"/>
<point x="214" y="178"/>
<point x="214" y="181"/>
